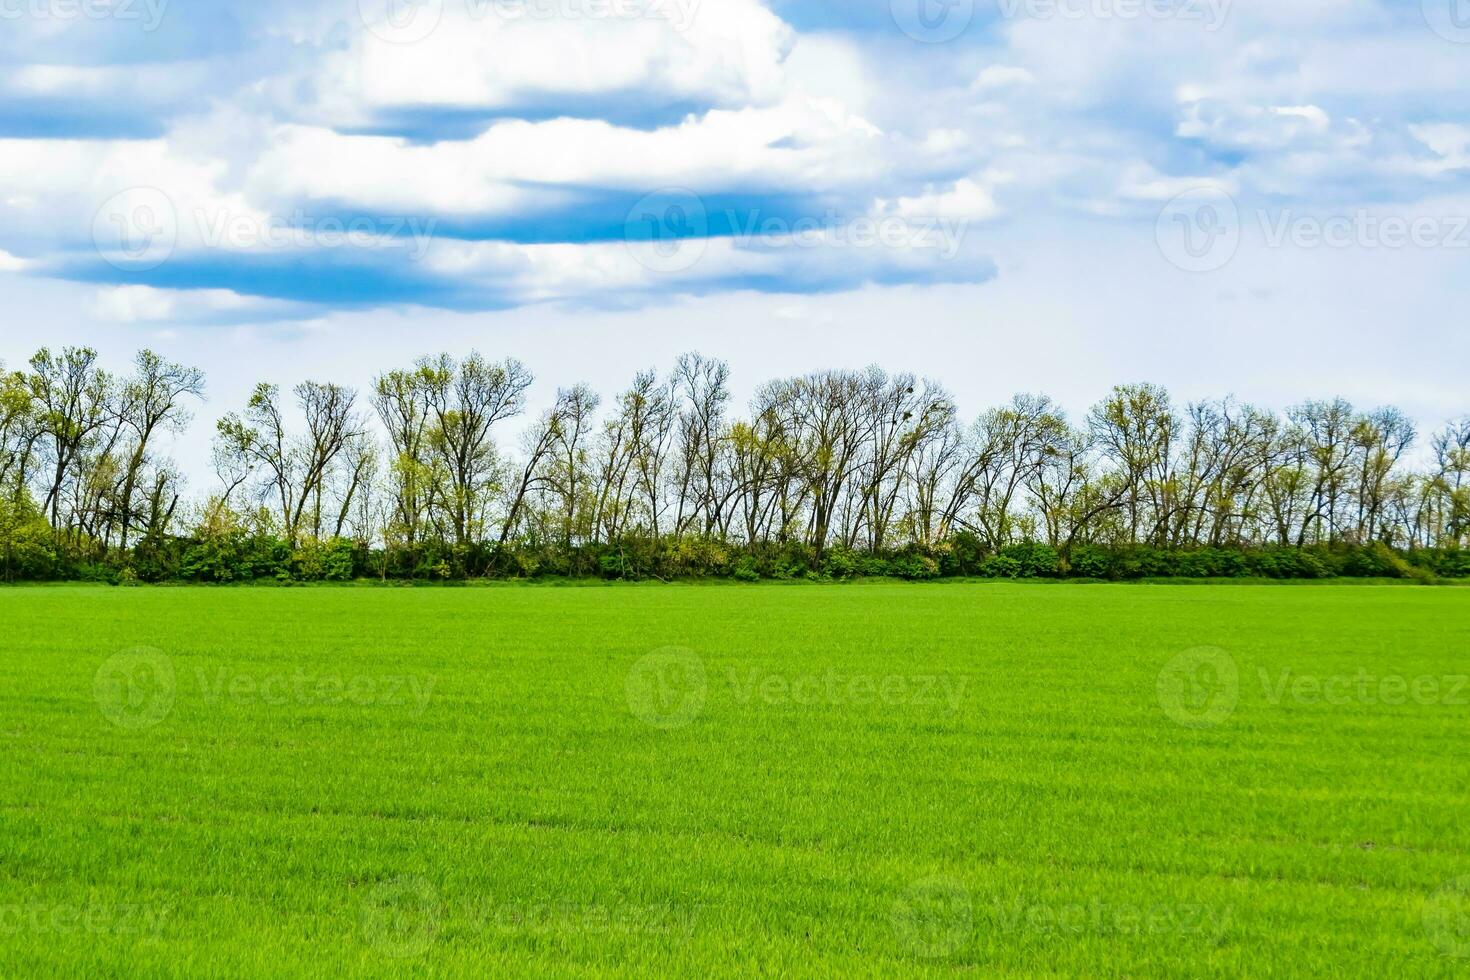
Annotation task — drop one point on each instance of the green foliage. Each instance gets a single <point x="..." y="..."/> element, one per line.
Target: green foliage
<point x="1000" y="566"/>
<point x="1035" y="560"/>
<point x="1289" y="563"/>
<point x="962" y="554"/>
<point x="27" y="543"/>
<point x="841" y="563"/>
<point x="334" y="560"/>
<point x="234" y="554"/>
<point x="915" y="567"/>
<point x="226" y="547"/>
<point x="1443" y="562"/>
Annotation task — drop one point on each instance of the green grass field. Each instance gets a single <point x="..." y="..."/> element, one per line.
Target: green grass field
<point x="865" y="780"/>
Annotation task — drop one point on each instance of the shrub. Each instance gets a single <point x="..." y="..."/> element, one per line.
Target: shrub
<point x="963" y="555"/>
<point x="27" y="543"/>
<point x="333" y="560"/>
<point x="840" y="563"/>
<point x="1376" y="560"/>
<point x="915" y="567"/>
<point x="1090" y="561"/>
<point x="1446" y="562"/>
<point x="1033" y="560"/>
<point x="745" y="570"/>
<point x="1000" y="566"/>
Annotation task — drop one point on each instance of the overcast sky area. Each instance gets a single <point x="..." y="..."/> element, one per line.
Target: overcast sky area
<point x="1269" y="198"/>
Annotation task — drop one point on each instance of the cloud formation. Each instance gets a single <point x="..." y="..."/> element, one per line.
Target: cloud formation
<point x="282" y="161"/>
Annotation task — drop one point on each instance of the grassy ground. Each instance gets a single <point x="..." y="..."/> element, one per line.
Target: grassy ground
<point x="816" y="780"/>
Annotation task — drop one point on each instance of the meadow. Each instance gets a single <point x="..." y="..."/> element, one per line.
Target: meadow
<point x="868" y="779"/>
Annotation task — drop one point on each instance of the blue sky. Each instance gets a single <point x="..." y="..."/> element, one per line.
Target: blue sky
<point x="1258" y="196"/>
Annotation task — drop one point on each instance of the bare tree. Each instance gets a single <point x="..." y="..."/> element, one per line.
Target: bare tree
<point x="297" y="470"/>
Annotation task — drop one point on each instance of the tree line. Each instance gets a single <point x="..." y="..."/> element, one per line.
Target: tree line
<point x="435" y="472"/>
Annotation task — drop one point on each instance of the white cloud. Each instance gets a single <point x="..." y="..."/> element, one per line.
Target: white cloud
<point x="1142" y="182"/>
<point x="145" y="304"/>
<point x="965" y="199"/>
<point x="514" y="165"/>
<point x="489" y="55"/>
<point x="866" y="249"/>
<point x="997" y="77"/>
<point x="1252" y="127"/>
<point x="1449" y="142"/>
<point x="130" y="304"/>
<point x="62" y="191"/>
<point x="125" y="83"/>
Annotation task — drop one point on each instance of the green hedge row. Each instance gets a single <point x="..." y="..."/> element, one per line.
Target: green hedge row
<point x="255" y="558"/>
